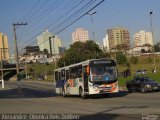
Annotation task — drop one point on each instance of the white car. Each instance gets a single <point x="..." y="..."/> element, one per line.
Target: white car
<point x="138" y="72"/>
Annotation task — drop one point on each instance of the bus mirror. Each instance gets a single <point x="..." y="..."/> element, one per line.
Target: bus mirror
<point x="88" y="70"/>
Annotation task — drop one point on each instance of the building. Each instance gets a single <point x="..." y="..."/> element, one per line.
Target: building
<point x="142" y="38"/>
<point x="139" y="50"/>
<point x="149" y="39"/>
<point x="80" y="35"/>
<point x="62" y="50"/>
<point x="50" y="42"/>
<point x="32" y="49"/>
<point x="56" y="45"/>
<point x="118" y="36"/>
<point x="4" y="48"/>
<point x="106" y="43"/>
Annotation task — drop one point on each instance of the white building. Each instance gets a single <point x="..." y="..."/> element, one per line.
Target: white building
<point x="38" y="58"/>
<point x="56" y="45"/>
<point x="106" y="43"/>
<point x="80" y="35"/>
<point x="138" y="50"/>
<point x="149" y="38"/>
<point x="141" y="38"/>
<point x="43" y="42"/>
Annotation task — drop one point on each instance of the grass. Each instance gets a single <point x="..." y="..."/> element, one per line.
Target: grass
<point x="154" y="76"/>
<point x="143" y="64"/>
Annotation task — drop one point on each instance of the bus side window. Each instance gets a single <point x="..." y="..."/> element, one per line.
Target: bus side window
<point x="59" y="75"/>
<point x="71" y="75"/>
<point x="79" y="71"/>
<point x="56" y="76"/>
<point x="67" y="74"/>
<point x="62" y="75"/>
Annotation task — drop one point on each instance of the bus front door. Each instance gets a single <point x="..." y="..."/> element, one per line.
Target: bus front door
<point x="85" y="78"/>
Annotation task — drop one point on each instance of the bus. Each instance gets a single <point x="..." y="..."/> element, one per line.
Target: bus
<point x="91" y="77"/>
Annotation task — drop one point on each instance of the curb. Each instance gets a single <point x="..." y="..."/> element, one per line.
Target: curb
<point x="38" y="82"/>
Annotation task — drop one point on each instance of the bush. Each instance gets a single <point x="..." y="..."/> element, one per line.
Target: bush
<point x="149" y="59"/>
<point x="121" y="58"/>
<point x="134" y="60"/>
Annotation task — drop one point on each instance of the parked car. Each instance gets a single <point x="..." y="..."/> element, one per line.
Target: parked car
<point x="142" y="84"/>
<point x="138" y="72"/>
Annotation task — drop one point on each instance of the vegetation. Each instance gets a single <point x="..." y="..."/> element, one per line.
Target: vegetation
<point x="134" y="60"/>
<point x="80" y="51"/>
<point x="150" y="59"/>
<point x="36" y="70"/>
<point x="157" y="47"/>
<point x="121" y="58"/>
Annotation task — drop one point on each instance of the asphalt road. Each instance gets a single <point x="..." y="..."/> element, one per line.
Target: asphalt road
<point x="42" y="99"/>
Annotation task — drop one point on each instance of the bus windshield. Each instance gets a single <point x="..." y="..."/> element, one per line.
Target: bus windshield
<point x="102" y="72"/>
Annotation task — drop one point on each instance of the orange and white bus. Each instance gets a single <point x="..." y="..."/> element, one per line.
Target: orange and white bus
<point x="91" y="77"/>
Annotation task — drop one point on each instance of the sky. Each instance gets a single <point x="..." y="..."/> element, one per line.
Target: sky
<point x="55" y="15"/>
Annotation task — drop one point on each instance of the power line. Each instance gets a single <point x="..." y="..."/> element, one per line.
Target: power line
<point x="56" y="5"/>
<point x="38" y="18"/>
<point x="81" y="16"/>
<point x="37" y="11"/>
<point x="30" y="11"/>
<point x="66" y="26"/>
<point x="76" y="19"/>
<point x="60" y="17"/>
<point x="73" y="16"/>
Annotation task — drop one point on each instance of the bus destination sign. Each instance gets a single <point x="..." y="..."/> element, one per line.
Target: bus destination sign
<point x="101" y="62"/>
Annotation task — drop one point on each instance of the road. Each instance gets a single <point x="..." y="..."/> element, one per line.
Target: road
<point x="42" y="99"/>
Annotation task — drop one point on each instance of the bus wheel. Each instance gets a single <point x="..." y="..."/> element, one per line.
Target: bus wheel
<point x="81" y="93"/>
<point x="63" y="93"/>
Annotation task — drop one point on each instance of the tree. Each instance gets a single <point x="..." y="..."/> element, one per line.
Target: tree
<point x="156" y="48"/>
<point x="143" y="50"/>
<point x="121" y="58"/>
<point x="45" y="51"/>
<point x="81" y="51"/>
<point x="122" y="47"/>
<point x="134" y="60"/>
<point x="149" y="51"/>
<point x="128" y="64"/>
<point x="149" y="59"/>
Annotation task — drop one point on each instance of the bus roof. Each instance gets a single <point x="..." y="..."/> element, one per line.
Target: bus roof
<point x="81" y="63"/>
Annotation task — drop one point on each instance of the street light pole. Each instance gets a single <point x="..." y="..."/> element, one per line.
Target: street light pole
<point x="91" y="14"/>
<point x="151" y="27"/>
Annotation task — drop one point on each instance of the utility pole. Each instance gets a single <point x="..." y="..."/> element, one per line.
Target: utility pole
<point x="15" y="42"/>
<point x="16" y="55"/>
<point x="50" y="45"/>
